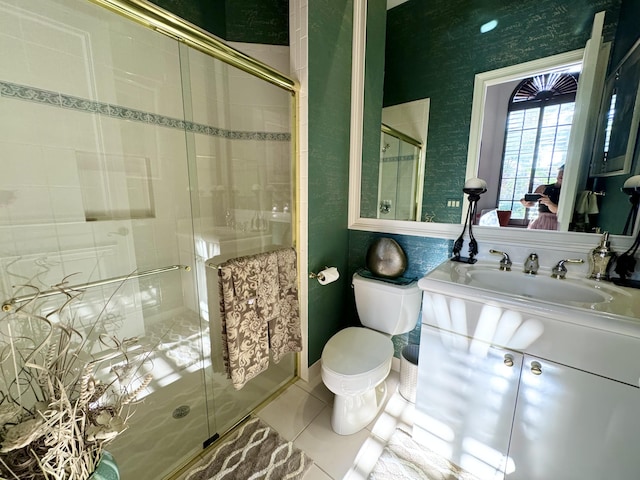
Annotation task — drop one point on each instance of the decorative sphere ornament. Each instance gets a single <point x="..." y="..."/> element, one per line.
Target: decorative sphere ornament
<point x="385" y="258"/>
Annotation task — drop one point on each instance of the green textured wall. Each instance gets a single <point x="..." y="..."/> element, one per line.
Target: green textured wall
<point x="330" y="32"/>
<point x="435" y="49"/>
<point x="258" y="21"/>
<point x="251" y="21"/>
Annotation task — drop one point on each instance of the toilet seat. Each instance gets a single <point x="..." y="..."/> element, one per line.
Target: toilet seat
<point x="356" y="359"/>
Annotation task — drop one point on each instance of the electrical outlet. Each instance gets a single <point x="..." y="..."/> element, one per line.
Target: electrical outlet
<point x="453" y="203"/>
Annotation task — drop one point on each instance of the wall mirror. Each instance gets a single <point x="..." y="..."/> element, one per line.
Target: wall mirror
<point x="448" y="144"/>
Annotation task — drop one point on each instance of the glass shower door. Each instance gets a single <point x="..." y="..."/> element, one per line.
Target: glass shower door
<point x="118" y="160"/>
<point x="95" y="187"/>
<point x="398" y="177"/>
<point x="240" y="144"/>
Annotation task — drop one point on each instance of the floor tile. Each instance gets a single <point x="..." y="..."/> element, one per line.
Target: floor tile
<point x="318" y="390"/>
<point x="316" y="473"/>
<point x="331" y="452"/>
<point x="366" y="459"/>
<point x="291" y="412"/>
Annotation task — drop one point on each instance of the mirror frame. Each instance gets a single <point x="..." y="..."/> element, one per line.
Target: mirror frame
<point x="568" y="241"/>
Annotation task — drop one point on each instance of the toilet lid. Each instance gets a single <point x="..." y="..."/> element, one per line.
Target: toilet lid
<point x="356" y="350"/>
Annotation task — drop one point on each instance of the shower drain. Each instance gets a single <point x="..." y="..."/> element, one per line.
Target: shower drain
<point x="181" y="412"/>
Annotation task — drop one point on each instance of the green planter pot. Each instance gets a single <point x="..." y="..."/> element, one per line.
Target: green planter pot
<point x="107" y="469"/>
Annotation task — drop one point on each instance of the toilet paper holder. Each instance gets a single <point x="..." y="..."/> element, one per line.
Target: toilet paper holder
<point x="326" y="276"/>
<point x="319" y="275"/>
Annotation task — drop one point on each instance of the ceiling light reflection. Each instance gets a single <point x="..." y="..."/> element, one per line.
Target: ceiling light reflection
<point x="487" y="27"/>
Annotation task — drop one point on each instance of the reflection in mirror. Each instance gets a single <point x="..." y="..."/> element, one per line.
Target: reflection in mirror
<point x="594" y="201"/>
<point x="614" y="206"/>
<point x="397" y="184"/>
<point x="434" y="49"/>
<point x="527" y="118"/>
<point x="404" y="126"/>
<point x="615" y="140"/>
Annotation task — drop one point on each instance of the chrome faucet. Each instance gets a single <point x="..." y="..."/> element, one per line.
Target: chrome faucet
<point x="505" y="263"/>
<point x="560" y="271"/>
<point x="531" y="264"/>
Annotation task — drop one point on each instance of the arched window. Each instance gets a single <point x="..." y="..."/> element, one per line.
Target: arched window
<point x="536" y="138"/>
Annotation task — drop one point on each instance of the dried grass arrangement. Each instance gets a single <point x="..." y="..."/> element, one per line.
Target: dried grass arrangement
<point x="60" y="405"/>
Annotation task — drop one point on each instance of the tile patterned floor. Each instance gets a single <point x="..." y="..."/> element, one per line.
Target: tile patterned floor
<point x="302" y="414"/>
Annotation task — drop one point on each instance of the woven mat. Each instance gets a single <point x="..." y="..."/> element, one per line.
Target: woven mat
<point x="253" y="451"/>
<point x="404" y="459"/>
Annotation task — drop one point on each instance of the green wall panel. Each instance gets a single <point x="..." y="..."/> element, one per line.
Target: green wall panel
<point x="258" y="21"/>
<point x="208" y="15"/>
<point x="251" y="21"/>
<point x="330" y="32"/>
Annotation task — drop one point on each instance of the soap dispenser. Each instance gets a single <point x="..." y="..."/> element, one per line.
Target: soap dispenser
<point x="600" y="259"/>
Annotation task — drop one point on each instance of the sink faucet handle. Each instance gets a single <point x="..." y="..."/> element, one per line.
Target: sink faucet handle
<point x="531" y="264"/>
<point x="505" y="263"/>
<point x="560" y="271"/>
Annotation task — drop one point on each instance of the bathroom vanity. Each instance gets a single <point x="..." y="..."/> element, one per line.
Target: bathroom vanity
<point x="529" y="377"/>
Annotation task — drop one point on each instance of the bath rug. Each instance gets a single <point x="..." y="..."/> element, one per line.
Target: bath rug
<point x="404" y="459"/>
<point x="253" y="451"/>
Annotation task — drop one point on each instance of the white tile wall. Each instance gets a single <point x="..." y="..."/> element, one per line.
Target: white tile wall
<point x="108" y="59"/>
<point x="42" y="214"/>
<point x="86" y="51"/>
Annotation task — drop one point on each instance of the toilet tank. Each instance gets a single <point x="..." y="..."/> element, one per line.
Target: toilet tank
<point x="387" y="307"/>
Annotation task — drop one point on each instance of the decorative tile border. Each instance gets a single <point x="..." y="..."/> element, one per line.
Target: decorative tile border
<point x="57" y="99"/>
<point x="401" y="158"/>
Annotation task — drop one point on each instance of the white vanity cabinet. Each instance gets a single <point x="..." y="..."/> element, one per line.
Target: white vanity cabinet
<point x="466" y="400"/>
<point x="509" y="389"/>
<point x="571" y="424"/>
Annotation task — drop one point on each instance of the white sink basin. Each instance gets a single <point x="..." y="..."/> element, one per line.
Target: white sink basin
<point x="536" y="287"/>
<point x="485" y="280"/>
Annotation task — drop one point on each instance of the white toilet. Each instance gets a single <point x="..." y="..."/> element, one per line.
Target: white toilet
<point x="356" y="360"/>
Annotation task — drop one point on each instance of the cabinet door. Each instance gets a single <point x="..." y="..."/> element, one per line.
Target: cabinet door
<point x="571" y="424"/>
<point x="465" y="399"/>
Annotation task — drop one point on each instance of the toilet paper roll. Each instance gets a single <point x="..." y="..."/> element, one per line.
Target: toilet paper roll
<point x="328" y="275"/>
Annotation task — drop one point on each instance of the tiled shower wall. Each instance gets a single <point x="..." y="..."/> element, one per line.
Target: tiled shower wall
<point x="66" y="93"/>
<point x="66" y="97"/>
<point x="114" y="143"/>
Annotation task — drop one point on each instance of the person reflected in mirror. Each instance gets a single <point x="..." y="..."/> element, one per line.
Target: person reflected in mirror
<point x="547" y="204"/>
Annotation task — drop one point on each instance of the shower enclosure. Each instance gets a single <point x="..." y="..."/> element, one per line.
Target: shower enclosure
<point x="398" y="178"/>
<point x="131" y="153"/>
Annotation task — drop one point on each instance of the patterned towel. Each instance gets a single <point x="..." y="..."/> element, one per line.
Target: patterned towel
<point x="259" y="311"/>
<point x="285" y="334"/>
